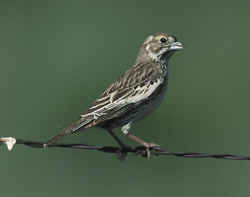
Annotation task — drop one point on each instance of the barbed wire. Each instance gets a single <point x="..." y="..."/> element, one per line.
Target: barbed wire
<point x="121" y="153"/>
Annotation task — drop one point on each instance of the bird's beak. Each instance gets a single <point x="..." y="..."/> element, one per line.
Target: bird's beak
<point x="176" y="46"/>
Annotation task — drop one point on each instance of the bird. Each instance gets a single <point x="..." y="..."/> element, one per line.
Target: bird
<point x="133" y="95"/>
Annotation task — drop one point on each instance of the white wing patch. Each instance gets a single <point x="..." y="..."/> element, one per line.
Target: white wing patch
<point x="133" y="96"/>
<point x="143" y="92"/>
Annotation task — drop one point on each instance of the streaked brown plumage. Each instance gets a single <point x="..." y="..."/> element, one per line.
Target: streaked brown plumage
<point x="135" y="94"/>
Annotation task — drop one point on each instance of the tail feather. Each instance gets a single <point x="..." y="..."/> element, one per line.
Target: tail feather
<point x="69" y="130"/>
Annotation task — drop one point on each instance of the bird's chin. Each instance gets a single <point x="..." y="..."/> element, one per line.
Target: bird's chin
<point x="176" y="46"/>
<point x="168" y="54"/>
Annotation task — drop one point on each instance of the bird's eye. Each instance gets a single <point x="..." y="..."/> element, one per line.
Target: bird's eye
<point x="163" y="40"/>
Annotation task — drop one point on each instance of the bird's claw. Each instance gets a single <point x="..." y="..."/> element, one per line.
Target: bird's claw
<point x="146" y="149"/>
<point x="149" y="147"/>
<point x="122" y="153"/>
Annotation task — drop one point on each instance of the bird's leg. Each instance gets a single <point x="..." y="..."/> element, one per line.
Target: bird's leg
<point x="148" y="146"/>
<point x="123" y="146"/>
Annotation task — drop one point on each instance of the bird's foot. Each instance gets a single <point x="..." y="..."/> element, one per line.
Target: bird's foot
<point x="147" y="148"/>
<point x="122" y="153"/>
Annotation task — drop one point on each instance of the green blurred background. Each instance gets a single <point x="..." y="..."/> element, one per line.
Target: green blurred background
<point x="56" y="57"/>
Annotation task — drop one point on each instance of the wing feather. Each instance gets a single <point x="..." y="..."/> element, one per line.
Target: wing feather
<point x="137" y="84"/>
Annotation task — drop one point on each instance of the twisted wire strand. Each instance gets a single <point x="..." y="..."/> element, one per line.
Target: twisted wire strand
<point x="122" y="153"/>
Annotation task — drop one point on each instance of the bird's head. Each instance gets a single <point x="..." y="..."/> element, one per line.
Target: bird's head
<point x="159" y="47"/>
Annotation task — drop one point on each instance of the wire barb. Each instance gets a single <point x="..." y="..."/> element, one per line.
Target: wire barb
<point x="121" y="153"/>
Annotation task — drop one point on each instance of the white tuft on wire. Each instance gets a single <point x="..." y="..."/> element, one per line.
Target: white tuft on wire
<point x="9" y="141"/>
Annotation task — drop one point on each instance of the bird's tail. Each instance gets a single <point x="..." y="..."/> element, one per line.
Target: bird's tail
<point x="69" y="130"/>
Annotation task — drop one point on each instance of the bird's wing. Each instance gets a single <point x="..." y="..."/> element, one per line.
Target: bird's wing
<point x="135" y="85"/>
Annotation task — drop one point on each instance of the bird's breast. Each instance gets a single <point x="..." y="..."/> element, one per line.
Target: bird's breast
<point x="153" y="101"/>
